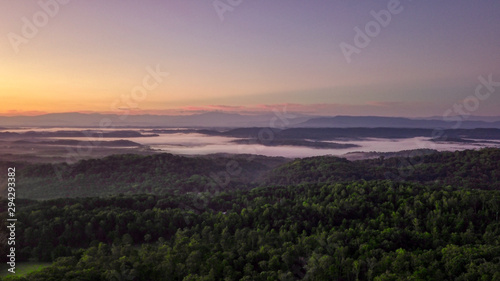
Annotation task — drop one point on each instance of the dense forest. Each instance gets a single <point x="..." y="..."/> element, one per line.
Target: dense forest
<point x="168" y="174"/>
<point x="469" y="168"/>
<point x="430" y="217"/>
<point x="132" y="174"/>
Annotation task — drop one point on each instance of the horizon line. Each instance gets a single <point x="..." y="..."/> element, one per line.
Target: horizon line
<point x="200" y="112"/>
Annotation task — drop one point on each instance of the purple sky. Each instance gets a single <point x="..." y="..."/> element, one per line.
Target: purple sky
<point x="90" y="54"/>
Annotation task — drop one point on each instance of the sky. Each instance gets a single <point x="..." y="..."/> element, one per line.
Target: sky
<point x="422" y="58"/>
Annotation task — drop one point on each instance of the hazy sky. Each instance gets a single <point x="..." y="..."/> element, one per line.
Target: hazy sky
<point x="93" y="55"/>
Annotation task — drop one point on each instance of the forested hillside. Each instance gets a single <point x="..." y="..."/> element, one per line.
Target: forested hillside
<point x="167" y="174"/>
<point x="469" y="168"/>
<point x="133" y="174"/>
<point x="377" y="230"/>
<point x="437" y="217"/>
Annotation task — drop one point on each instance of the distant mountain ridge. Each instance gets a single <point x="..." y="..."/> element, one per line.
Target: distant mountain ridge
<point x="392" y="122"/>
<point x="235" y="120"/>
<point x="209" y="119"/>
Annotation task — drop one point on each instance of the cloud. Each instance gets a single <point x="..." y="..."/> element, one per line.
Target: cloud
<point x="384" y="104"/>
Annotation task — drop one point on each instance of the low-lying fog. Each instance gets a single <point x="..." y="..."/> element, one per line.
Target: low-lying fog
<point x="194" y="143"/>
